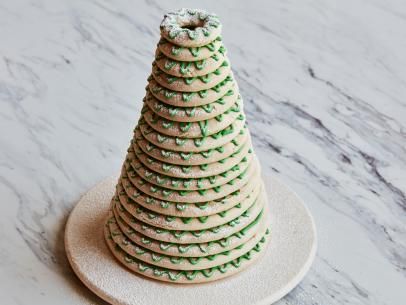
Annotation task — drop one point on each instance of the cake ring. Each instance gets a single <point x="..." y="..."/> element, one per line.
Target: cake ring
<point x="190" y="27"/>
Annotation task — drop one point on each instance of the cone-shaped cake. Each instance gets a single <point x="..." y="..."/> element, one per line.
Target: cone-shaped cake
<point x="190" y="205"/>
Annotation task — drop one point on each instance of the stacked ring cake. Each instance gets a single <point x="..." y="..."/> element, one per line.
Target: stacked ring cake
<point x="190" y="206"/>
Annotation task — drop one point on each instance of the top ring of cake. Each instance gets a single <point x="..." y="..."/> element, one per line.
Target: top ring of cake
<point x="190" y="27"/>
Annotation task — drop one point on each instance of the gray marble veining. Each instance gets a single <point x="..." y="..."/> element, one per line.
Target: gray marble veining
<point x="324" y="86"/>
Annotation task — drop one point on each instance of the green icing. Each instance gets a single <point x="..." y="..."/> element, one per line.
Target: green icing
<point x="176" y="50"/>
<point x="186" y="156"/>
<point x="192" y="34"/>
<point x="169" y="64"/>
<point x="200" y="64"/>
<point x="194" y="51"/>
<point x="184" y="67"/>
<point x="203" y="93"/>
<point x="187" y="96"/>
<point x="173" y="33"/>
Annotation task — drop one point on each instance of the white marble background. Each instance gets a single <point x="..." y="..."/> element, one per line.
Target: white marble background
<point x="324" y="84"/>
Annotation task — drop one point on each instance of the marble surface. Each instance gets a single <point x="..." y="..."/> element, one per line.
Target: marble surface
<point x="324" y="84"/>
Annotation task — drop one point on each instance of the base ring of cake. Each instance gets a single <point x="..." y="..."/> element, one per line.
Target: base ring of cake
<point x="287" y="259"/>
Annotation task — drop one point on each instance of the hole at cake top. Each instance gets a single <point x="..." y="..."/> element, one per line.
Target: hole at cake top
<point x="191" y="25"/>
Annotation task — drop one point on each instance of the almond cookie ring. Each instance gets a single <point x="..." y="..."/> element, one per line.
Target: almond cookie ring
<point x="244" y="225"/>
<point x="183" y="276"/>
<point x="190" y="249"/>
<point x="190" y="27"/>
<point x="187" y="210"/>
<point x="190" y="54"/>
<point x="182" y="223"/>
<point x="186" y="159"/>
<point x="195" y="113"/>
<point x="191" y="84"/>
<point x="203" y="195"/>
<point x="191" y="171"/>
<point x="192" y="145"/>
<point x="189" y="68"/>
<point x="190" y="99"/>
<point x="176" y="183"/>
<point x="181" y="263"/>
<point x="190" y="129"/>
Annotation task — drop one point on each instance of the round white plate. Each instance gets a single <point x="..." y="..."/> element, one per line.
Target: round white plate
<point x="287" y="259"/>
